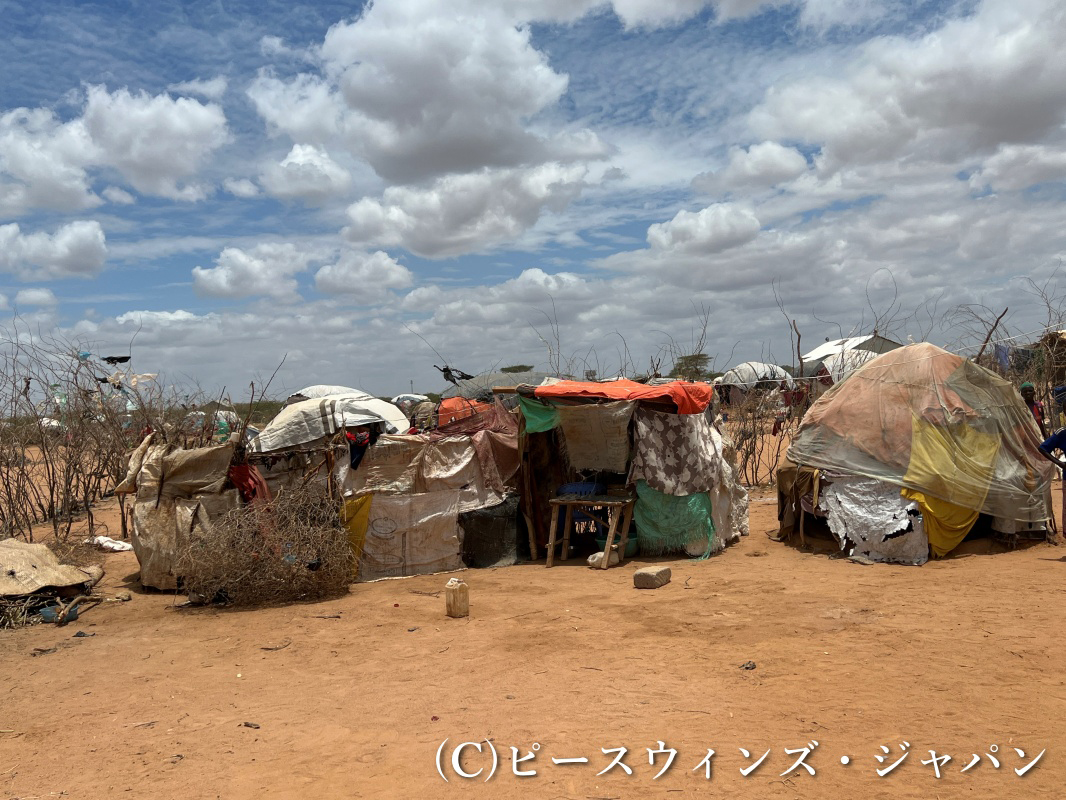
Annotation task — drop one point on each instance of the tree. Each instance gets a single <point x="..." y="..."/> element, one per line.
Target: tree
<point x="693" y="366"/>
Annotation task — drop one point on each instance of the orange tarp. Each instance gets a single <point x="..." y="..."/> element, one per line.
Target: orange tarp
<point x="457" y="408"/>
<point x="690" y="398"/>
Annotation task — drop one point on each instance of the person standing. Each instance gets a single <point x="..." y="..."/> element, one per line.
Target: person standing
<point x="1028" y="392"/>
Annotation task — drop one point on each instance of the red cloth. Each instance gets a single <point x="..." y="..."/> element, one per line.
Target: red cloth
<point x="249" y="482"/>
<point x="1038" y="411"/>
<point x="690" y="398"/>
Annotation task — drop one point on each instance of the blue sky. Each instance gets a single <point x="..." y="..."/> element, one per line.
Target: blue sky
<point x="230" y="182"/>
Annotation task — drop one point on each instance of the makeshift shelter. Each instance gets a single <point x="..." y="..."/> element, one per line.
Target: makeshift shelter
<point x="917" y="431"/>
<point x="453" y="409"/>
<point x="480" y="386"/>
<point x="657" y="441"/>
<point x="307" y="421"/>
<point x="408" y="402"/>
<point x="404" y="500"/>
<point x="751" y="376"/>
<point x="830" y="363"/>
<point x="177" y="493"/>
<point x="413" y="499"/>
<point x="323" y="390"/>
<point x="871" y="343"/>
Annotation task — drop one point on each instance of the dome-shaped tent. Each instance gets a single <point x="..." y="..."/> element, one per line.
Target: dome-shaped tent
<point x="756" y="374"/>
<point x="952" y="435"/>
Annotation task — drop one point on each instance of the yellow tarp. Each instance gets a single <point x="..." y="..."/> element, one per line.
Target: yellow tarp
<point x="946" y="524"/>
<point x="356" y="518"/>
<point x="955" y="465"/>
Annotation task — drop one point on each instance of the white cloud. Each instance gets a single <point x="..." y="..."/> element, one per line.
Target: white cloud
<point x="421" y="90"/>
<point x="710" y="230"/>
<point x="77" y="249"/>
<point x="1020" y="166"/>
<point x="363" y="275"/>
<point x="240" y="187"/>
<point x="43" y="163"/>
<point x="156" y="142"/>
<point x="305" y="107"/>
<point x="761" y="165"/>
<point x="463" y="213"/>
<point x="120" y="197"/>
<point x="977" y="82"/>
<point x="153" y="318"/>
<point x="307" y="173"/>
<point x="266" y="269"/>
<point x="210" y="89"/>
<point x="35" y="297"/>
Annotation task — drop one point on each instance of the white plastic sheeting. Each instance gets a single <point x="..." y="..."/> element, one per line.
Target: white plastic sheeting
<point x="310" y="420"/>
<point x="840" y="365"/>
<point x="752" y="373"/>
<point x="323" y="390"/>
<point x="414" y="534"/>
<point x="870" y="519"/>
<point x="414" y="399"/>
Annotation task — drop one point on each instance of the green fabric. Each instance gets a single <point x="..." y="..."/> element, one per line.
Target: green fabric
<point x="540" y="416"/>
<point x="667" y="523"/>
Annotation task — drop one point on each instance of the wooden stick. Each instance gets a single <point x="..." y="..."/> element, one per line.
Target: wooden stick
<point x="610" y="541"/>
<point x="991" y="330"/>
<point x="627" y="519"/>
<point x="566" y="532"/>
<point x="551" y="536"/>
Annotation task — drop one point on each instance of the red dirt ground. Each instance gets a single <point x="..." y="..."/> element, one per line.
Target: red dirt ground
<point x="953" y="657"/>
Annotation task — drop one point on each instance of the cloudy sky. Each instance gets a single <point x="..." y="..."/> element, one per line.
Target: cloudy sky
<point x="224" y="182"/>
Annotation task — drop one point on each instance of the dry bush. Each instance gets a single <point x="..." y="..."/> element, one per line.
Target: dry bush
<point x="292" y="548"/>
<point x="18" y="612"/>
<point x="751" y="426"/>
<point x="67" y="423"/>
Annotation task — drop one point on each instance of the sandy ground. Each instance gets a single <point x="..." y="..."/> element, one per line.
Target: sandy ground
<point x="353" y="697"/>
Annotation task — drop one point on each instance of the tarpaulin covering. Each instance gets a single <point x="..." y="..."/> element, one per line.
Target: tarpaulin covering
<point x="162" y="531"/>
<point x="667" y="523"/>
<point x="494" y="417"/>
<point x="402" y="465"/>
<point x="324" y="390"/>
<point x="183" y="473"/>
<point x="129" y="483"/>
<point x="752" y="374"/>
<point x="490" y="535"/>
<point x="453" y="409"/>
<point x="690" y="398"/>
<point x="793" y="482"/>
<point x="413" y="534"/>
<point x="499" y="458"/>
<point x="27" y="568"/>
<point x="729" y="500"/>
<point x="596" y="437"/>
<point x="922" y="418"/>
<point x="870" y="519"/>
<point x="675" y="453"/>
<point x="839" y="365"/>
<point x="946" y="524"/>
<point x="308" y="421"/>
<point x="540" y="416"/>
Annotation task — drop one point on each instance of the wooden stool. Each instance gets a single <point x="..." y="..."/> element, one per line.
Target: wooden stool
<point x="618" y="509"/>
